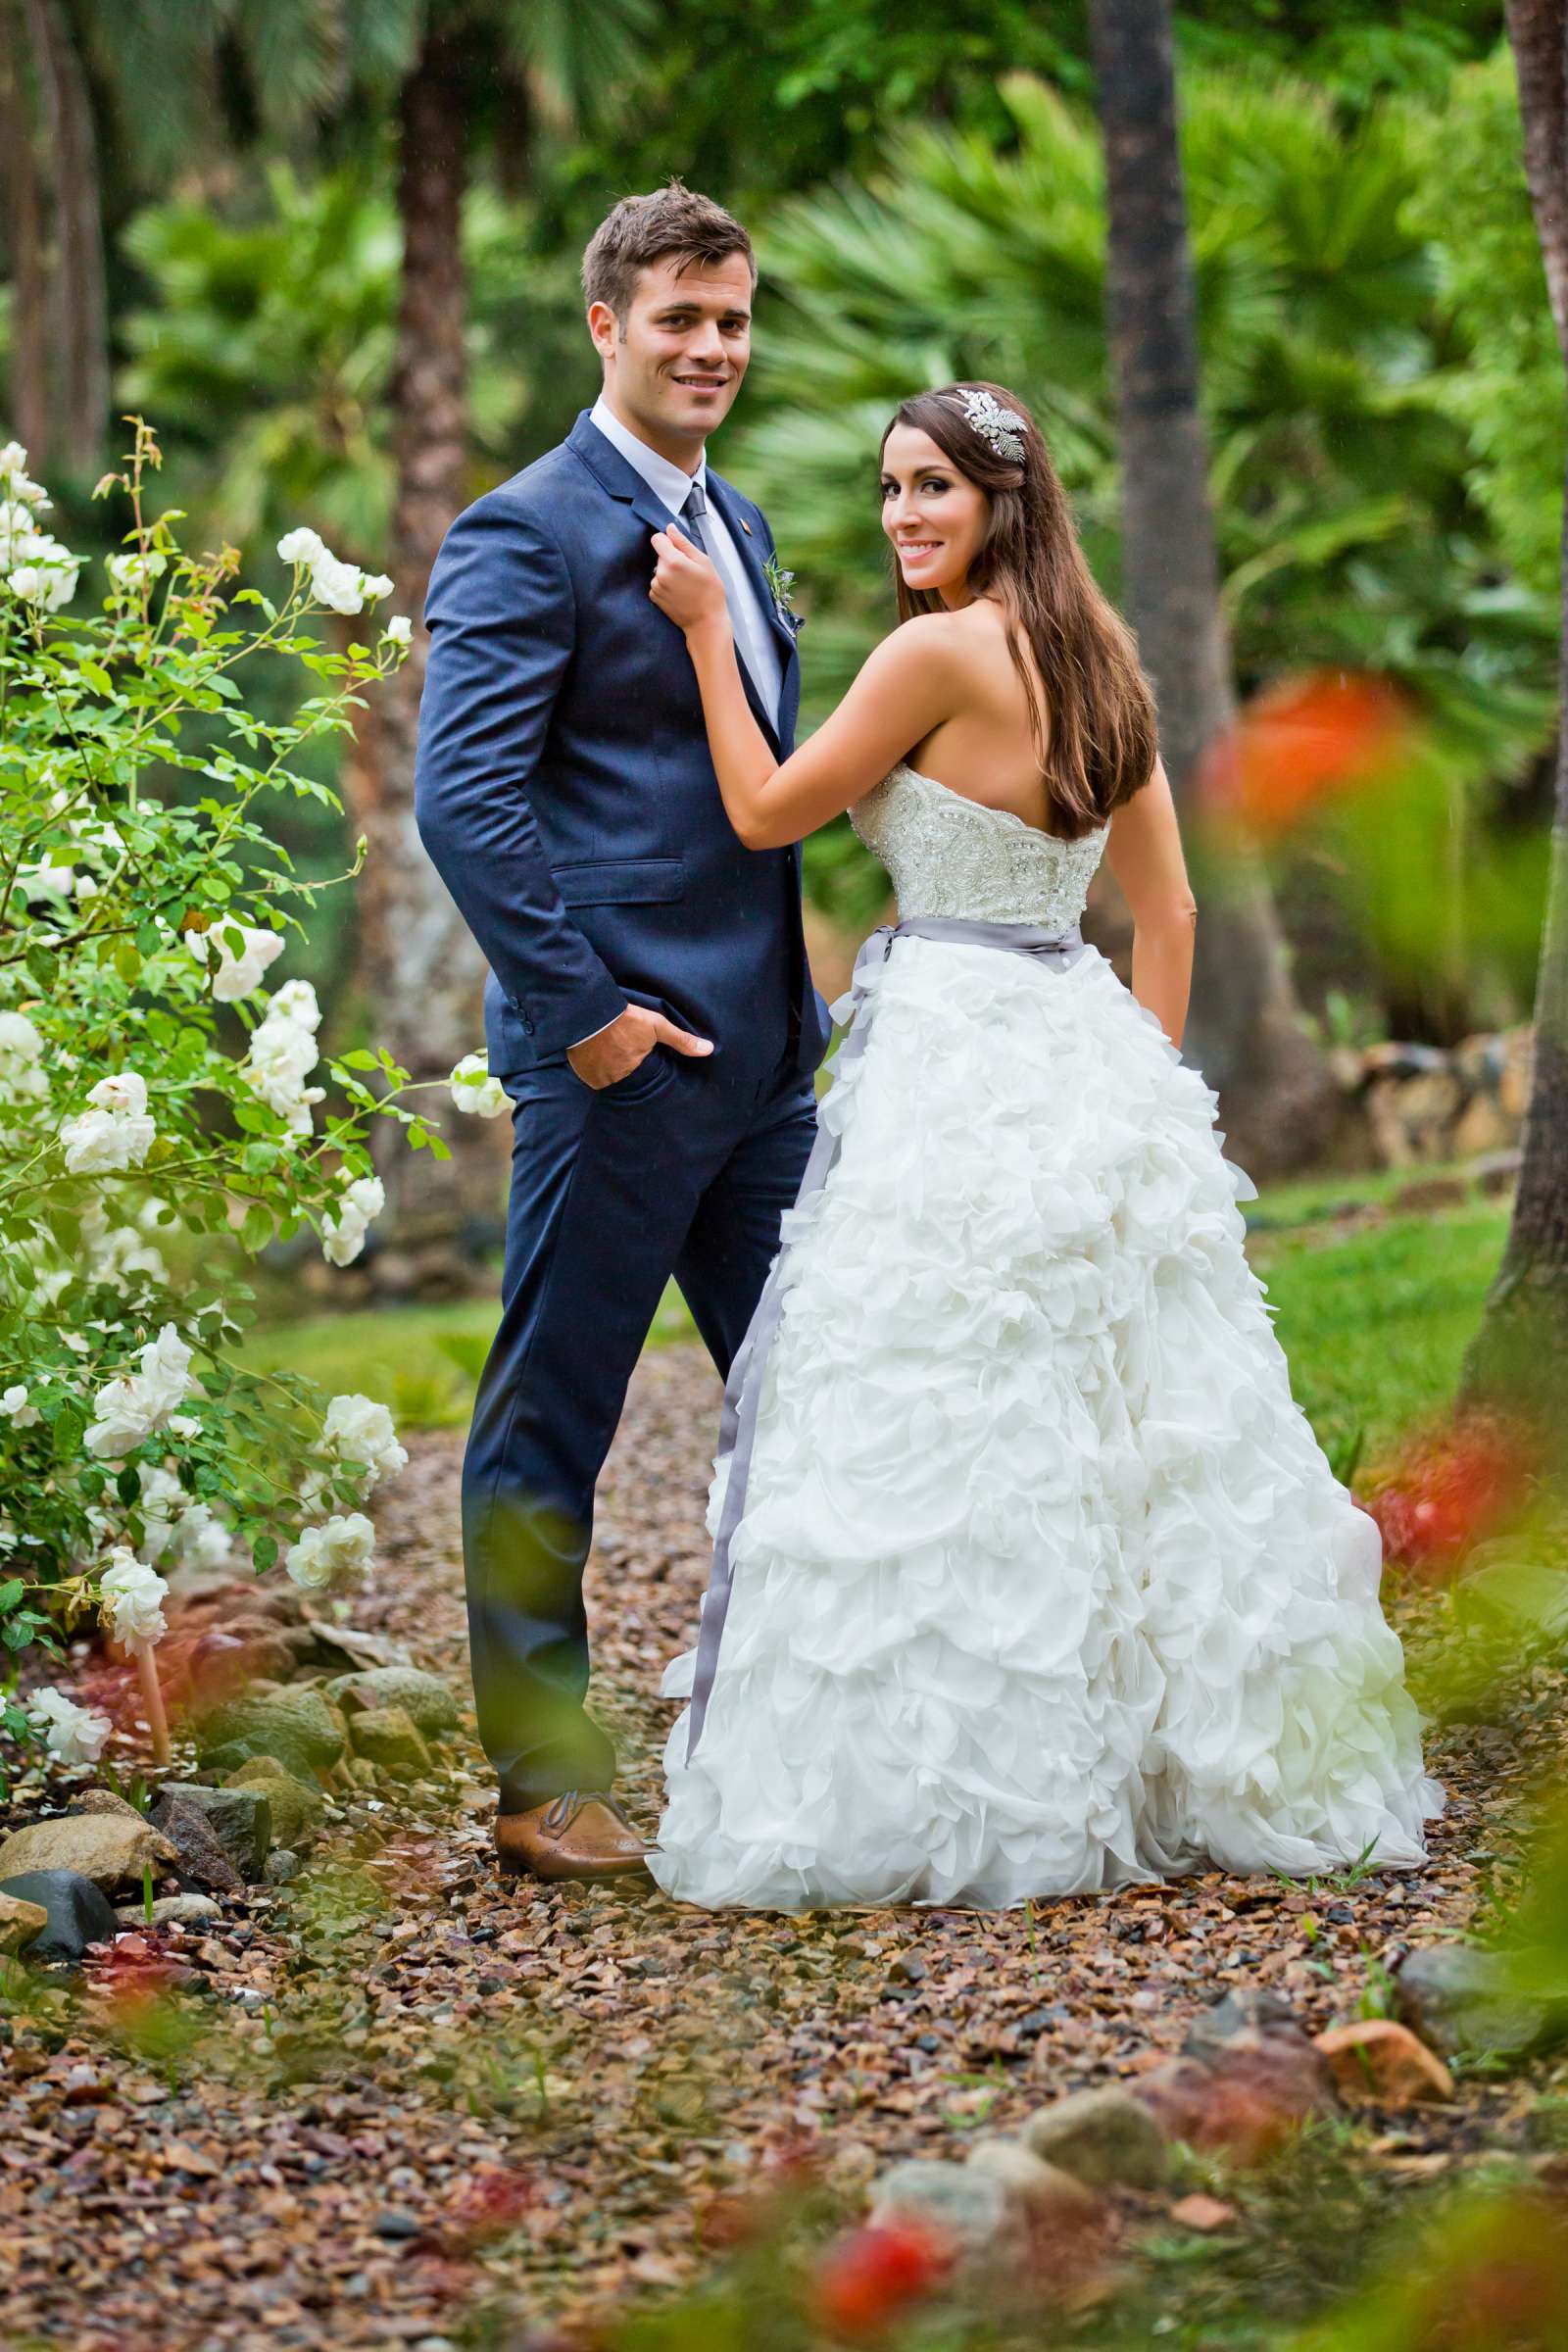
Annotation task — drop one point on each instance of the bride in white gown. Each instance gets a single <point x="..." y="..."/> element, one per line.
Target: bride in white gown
<point x="1039" y="1581"/>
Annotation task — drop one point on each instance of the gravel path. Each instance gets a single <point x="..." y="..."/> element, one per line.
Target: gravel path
<point x="419" y="2096"/>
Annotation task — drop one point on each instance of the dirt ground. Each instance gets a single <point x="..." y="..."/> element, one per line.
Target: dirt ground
<point x="397" y="2095"/>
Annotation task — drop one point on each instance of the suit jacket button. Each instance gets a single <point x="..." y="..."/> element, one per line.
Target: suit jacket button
<point x="527" y="1028"/>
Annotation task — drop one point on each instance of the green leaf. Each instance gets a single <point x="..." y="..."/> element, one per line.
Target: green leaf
<point x="10" y="1594"/>
<point x="264" y="1552"/>
<point x="96" y="676"/>
<point x="128" y="1485"/>
<point x="359" y="1059"/>
<point x="256" y="1230"/>
<point x="70" y="1429"/>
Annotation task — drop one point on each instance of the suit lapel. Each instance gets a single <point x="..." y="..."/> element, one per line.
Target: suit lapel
<point x="626" y="484"/>
<point x="723" y="497"/>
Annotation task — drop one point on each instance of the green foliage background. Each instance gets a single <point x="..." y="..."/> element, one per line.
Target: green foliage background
<point x="1381" y="385"/>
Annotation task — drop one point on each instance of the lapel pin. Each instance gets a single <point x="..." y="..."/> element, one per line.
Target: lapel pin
<point x="746" y="526"/>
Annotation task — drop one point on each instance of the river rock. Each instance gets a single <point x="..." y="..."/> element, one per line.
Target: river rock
<point x="1250" y="2009"/>
<point x="425" y="1696"/>
<point x="75" y="1913"/>
<point x="1037" y="2188"/>
<point x="1460" y="1999"/>
<point x="1100" y="2137"/>
<point x="341" y="1649"/>
<point x="296" y="1808"/>
<point x="110" y="1848"/>
<point x="389" y="1738"/>
<point x="966" y="2207"/>
<point x="171" y="1911"/>
<point x="104" y="1801"/>
<point x="1374" y="2058"/>
<point x="240" y="1819"/>
<point x="21" y="1923"/>
<point x="1247" y="2101"/>
<point x="298" y="1727"/>
<point x="191" y="1835"/>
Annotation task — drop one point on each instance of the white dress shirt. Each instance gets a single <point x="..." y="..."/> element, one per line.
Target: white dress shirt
<point x="755" y="641"/>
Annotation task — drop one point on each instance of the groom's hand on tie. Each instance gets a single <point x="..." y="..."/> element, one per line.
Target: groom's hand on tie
<point x="614" y="1053"/>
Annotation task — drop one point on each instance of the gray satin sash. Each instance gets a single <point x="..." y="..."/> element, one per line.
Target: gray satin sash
<point x="743" y="1390"/>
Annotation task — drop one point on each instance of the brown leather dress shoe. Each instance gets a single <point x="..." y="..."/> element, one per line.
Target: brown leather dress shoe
<point x="582" y="1833"/>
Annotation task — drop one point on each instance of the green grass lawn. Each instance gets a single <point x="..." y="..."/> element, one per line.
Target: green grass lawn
<point x="1375" y="1323"/>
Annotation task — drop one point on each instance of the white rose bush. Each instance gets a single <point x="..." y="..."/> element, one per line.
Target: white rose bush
<point x="164" y="1104"/>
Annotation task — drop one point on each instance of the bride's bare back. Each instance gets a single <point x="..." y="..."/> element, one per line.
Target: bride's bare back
<point x="987" y="750"/>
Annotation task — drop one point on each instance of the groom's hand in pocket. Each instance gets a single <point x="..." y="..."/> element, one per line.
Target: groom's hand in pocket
<point x="614" y="1053"/>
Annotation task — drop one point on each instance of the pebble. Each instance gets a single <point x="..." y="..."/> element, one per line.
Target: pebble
<point x="398" y="2223"/>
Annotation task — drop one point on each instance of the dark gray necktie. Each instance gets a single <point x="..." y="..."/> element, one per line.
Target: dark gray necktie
<point x="691" y="518"/>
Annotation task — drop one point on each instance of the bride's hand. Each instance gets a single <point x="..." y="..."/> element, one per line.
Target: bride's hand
<point x="686" y="585"/>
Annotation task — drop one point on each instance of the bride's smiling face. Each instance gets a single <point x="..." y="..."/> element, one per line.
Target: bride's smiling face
<point x="934" y="517"/>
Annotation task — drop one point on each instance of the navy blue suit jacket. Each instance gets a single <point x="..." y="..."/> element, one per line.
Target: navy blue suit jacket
<point x="565" y="788"/>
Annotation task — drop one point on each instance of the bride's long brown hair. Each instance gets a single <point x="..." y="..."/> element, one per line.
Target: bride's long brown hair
<point x="1100" y="744"/>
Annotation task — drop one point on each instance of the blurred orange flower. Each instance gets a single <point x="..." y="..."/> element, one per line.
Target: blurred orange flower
<point x="1304" y="741"/>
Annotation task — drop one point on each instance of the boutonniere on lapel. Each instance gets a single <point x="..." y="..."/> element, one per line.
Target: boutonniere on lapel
<point x="779" y="584"/>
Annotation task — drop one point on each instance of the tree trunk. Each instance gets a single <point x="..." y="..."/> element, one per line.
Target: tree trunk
<point x="421" y="974"/>
<point x="1520" y="1355"/>
<point x="25" y="238"/>
<point x="1279" y="1104"/>
<point x="76" y="308"/>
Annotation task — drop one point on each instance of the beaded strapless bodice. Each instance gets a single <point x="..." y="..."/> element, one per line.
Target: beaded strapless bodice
<point x="948" y="856"/>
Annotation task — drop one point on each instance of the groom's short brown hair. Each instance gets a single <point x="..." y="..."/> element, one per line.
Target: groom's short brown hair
<point x="672" y="222"/>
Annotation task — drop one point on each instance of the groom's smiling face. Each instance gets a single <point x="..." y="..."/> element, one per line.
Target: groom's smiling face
<point x="674" y="363"/>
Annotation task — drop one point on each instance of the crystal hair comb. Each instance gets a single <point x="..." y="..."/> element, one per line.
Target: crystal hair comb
<point x="1001" y="428"/>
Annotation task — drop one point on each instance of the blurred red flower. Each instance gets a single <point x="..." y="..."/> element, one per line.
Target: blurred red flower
<point x="491" y="2202"/>
<point x="1300" y="743"/>
<point x="132" y="1978"/>
<point x="1450" y="1490"/>
<point x="868" y="2279"/>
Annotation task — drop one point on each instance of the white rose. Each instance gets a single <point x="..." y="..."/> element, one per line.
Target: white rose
<point x="131" y="1406"/>
<point x="474" y="1089"/>
<point x="131" y="1597"/>
<point x="399" y="630"/>
<point x="333" y="1549"/>
<point x="47" y="574"/>
<point x="116" y="1133"/>
<point x="74" y="1734"/>
<point x="295" y="1002"/>
<point x="18" y="532"/>
<point x="301" y="546"/>
<point x="359" y="1430"/>
<point x="200" y="1540"/>
<point x="133" y="571"/>
<point x="282" y="1052"/>
<point x="343" y="1236"/>
<point x="237" y="974"/>
<point x="374" y="585"/>
<point x="15" y="1408"/>
<point x="20" y="1051"/>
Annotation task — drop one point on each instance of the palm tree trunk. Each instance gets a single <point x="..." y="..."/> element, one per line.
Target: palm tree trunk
<point x="1520" y="1355"/>
<point x="421" y="974"/>
<point x="25" y="240"/>
<point x="1278" y="1101"/>
<point x="78" y="316"/>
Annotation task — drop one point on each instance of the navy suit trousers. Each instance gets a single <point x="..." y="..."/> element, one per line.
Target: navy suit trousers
<point x="672" y="1170"/>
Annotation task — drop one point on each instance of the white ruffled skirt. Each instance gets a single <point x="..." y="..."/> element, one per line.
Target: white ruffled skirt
<point x="1043" y="1582"/>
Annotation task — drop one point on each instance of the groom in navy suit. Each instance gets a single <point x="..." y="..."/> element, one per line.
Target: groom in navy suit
<point x="650" y="1008"/>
